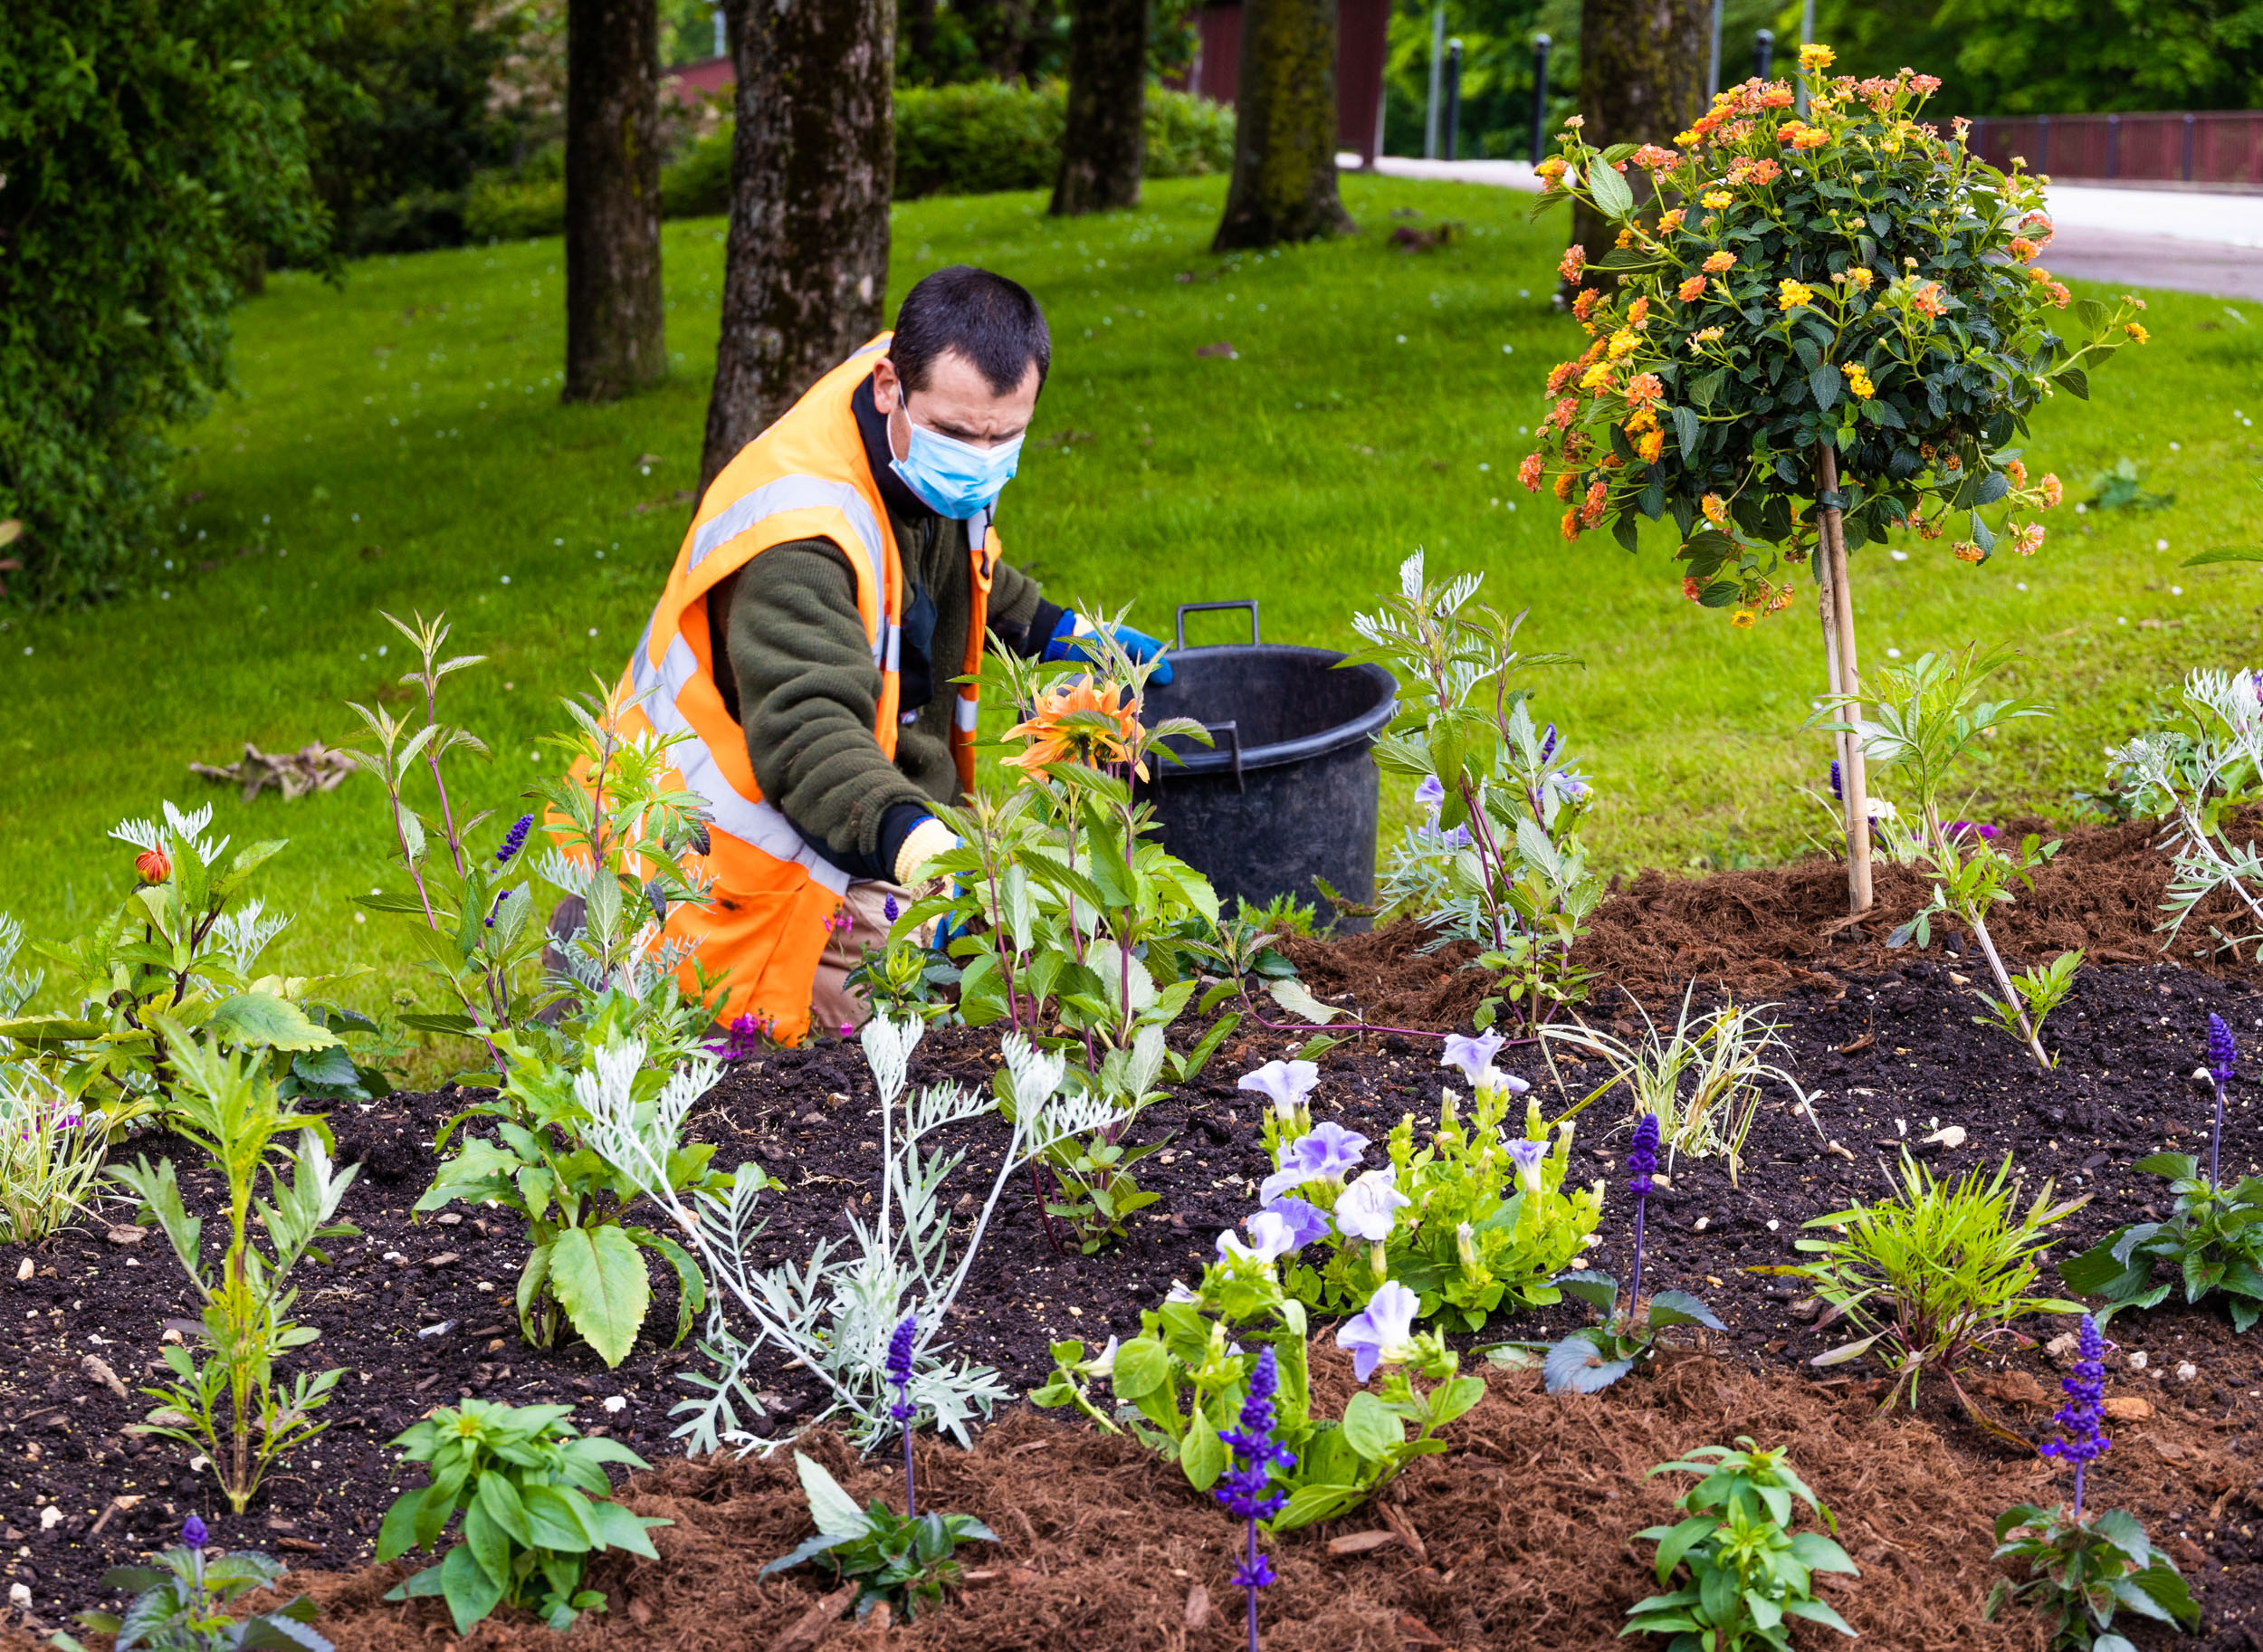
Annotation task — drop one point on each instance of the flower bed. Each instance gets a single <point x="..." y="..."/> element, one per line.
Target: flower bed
<point x="1524" y="1525"/>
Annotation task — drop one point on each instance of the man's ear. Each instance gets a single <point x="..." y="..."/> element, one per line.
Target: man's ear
<point x="887" y="387"/>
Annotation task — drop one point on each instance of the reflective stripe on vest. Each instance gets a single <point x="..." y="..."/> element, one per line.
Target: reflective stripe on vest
<point x="805" y="493"/>
<point x="756" y="822"/>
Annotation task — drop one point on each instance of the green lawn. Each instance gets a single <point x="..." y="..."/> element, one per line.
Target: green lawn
<point x="398" y="444"/>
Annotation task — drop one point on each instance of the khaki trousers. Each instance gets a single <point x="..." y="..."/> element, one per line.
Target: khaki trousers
<point x="833" y="1006"/>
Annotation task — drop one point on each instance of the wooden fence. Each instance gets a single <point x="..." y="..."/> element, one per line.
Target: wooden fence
<point x="2219" y="147"/>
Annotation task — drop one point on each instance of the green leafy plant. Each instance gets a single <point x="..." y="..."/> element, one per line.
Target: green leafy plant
<point x="2039" y="991"/>
<point x="1749" y="1573"/>
<point x="585" y="1265"/>
<point x="1719" y="1059"/>
<point x="1068" y="914"/>
<point x="1936" y="1274"/>
<point x="535" y="1505"/>
<point x="1930" y="717"/>
<point x="2197" y="777"/>
<point x="52" y="1152"/>
<point x="906" y="1560"/>
<point x="904" y="978"/>
<point x="224" y="1399"/>
<point x="2082" y="1570"/>
<point x="183" y="948"/>
<point x="2213" y="1242"/>
<point x="180" y="1604"/>
<point x="1181" y="1384"/>
<point x="1831" y="310"/>
<point x="621" y="842"/>
<point x="2119" y="489"/>
<point x="1499" y="861"/>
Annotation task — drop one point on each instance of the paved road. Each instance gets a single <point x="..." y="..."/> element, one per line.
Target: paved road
<point x="2190" y="241"/>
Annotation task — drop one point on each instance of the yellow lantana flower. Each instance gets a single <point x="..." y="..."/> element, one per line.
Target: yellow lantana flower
<point x="1717" y="199"/>
<point x="1791" y="295"/>
<point x="1816" y="56"/>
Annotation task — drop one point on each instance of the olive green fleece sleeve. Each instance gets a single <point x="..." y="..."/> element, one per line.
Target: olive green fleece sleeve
<point x="809" y="695"/>
<point x="1015" y="599"/>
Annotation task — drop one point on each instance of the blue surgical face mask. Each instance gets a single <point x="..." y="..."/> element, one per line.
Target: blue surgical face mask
<point x="957" y="478"/>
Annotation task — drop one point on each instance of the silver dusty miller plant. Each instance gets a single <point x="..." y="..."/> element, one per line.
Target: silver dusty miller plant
<point x="2191" y="778"/>
<point x="837" y="1310"/>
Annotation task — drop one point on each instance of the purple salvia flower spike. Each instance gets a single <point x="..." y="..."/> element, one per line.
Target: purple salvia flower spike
<point x="900" y="1350"/>
<point x="2223" y="1062"/>
<point x="1247" y="1488"/>
<point x="2082" y="1419"/>
<point x="1642" y="1164"/>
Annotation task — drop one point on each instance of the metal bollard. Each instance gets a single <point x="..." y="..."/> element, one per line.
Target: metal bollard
<point x="1763" y="51"/>
<point x="1541" y="42"/>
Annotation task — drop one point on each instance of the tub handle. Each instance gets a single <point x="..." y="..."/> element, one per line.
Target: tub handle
<point x="1186" y="608"/>
<point x="1233" y="731"/>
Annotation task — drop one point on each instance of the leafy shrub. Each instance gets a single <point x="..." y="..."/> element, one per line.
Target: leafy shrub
<point x="504" y="206"/>
<point x="2212" y="1244"/>
<point x="1183" y="1381"/>
<point x="180" y="1604"/>
<point x="225" y="1403"/>
<point x="151" y="153"/>
<point x="1839" y="284"/>
<point x="1936" y="1273"/>
<point x="1068" y="913"/>
<point x="840" y="1310"/>
<point x="906" y="1560"/>
<point x="1499" y="861"/>
<point x="535" y="1505"/>
<point x="696" y="183"/>
<point x="586" y="1263"/>
<point x="1930" y="717"/>
<point x="2195" y="777"/>
<point x="182" y="948"/>
<point x="1722" y="1060"/>
<point x="1748" y="1572"/>
<point x="52" y="1152"/>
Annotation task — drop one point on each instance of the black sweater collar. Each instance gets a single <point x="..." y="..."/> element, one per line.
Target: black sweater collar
<point x="902" y="503"/>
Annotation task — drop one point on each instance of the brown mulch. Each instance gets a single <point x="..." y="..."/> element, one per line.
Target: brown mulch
<point x="1522" y="1536"/>
<point x="1763" y="930"/>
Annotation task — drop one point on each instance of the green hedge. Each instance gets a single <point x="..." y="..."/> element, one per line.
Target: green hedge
<point x="970" y="139"/>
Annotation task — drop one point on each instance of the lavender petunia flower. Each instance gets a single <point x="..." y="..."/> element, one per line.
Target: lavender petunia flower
<point x="1367" y="1210"/>
<point x="1307" y="1222"/>
<point x="1327" y="1153"/>
<point x="1378" y="1335"/>
<point x="1284" y="1084"/>
<point x="1472" y="1055"/>
<point x="1430" y="793"/>
<point x="1571" y="787"/>
<point x="1530" y="1157"/>
<point x="1270" y="1237"/>
<point x="2082" y="1417"/>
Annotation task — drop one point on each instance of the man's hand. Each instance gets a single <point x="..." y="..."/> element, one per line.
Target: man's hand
<point x="1069" y="642"/>
<point x="921" y="845"/>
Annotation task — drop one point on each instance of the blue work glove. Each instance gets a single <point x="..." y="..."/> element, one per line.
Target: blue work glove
<point x="1068" y="642"/>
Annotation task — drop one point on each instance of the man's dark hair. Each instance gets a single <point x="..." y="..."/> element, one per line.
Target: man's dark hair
<point x="993" y="322"/>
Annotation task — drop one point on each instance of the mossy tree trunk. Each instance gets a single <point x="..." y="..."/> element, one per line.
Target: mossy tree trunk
<point x="1103" y="139"/>
<point x="811" y="167"/>
<point x="616" y="315"/>
<point x="1284" y="134"/>
<point x="1642" y="79"/>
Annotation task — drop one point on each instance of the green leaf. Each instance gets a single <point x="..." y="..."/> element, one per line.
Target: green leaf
<point x="1823" y="385"/>
<point x="260" y="1018"/>
<point x="600" y="1281"/>
<point x="1203" y="1455"/>
<point x="2222" y="553"/>
<point x="2078" y="382"/>
<point x="1370" y="1427"/>
<point x="490" y="1544"/>
<point x="469" y="1592"/>
<point x="1613" y="196"/>
<point x="1291" y="995"/>
<point x="834" y="1510"/>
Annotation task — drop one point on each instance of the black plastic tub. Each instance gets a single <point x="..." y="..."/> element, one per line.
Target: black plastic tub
<point x="1288" y="794"/>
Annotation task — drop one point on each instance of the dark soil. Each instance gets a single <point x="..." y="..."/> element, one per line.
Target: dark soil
<point x="1525" y="1526"/>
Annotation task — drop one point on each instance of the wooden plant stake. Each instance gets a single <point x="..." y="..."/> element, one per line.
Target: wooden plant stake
<point x="1840" y="665"/>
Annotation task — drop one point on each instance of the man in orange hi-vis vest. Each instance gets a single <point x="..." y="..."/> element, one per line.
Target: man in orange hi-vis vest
<point x="840" y="571"/>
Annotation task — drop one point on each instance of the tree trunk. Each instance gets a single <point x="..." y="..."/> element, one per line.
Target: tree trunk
<point x="1284" y="134"/>
<point x="615" y="316"/>
<point x="1104" y="140"/>
<point x="812" y="169"/>
<point x="1642" y="79"/>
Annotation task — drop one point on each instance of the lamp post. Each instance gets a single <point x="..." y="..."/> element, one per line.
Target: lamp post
<point x="1437" y="72"/>
<point x="1764" y="52"/>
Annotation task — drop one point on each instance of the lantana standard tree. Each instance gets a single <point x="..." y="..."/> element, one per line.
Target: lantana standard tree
<point x="1813" y="330"/>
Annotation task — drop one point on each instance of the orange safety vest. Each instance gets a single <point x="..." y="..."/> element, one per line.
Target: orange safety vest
<point x="806" y="477"/>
